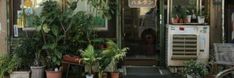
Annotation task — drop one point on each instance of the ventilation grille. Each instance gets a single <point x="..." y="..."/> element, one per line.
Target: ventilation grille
<point x="184" y="47"/>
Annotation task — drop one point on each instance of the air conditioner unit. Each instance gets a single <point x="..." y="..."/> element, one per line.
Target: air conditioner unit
<point x="187" y="42"/>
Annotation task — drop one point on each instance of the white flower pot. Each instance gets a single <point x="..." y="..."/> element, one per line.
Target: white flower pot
<point x="189" y="76"/>
<point x="189" y="18"/>
<point x="89" y="76"/>
<point x="201" y="19"/>
<point x="20" y="74"/>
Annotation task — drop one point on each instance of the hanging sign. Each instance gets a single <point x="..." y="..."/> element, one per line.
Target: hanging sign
<point x="142" y="3"/>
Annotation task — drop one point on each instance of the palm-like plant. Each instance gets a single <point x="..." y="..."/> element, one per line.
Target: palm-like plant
<point x="114" y="53"/>
<point x="89" y="57"/>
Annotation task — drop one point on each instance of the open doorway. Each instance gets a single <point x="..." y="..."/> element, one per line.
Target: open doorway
<point x="140" y="32"/>
<point x="229" y="20"/>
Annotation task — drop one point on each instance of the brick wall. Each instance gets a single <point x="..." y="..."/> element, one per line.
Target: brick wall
<point x="3" y="31"/>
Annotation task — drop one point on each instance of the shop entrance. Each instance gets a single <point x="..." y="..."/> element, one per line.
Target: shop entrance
<point x="229" y="20"/>
<point x="140" y="32"/>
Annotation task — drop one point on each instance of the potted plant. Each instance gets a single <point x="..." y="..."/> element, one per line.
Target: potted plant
<point x="10" y="63"/>
<point x="175" y="15"/>
<point x="16" y="72"/>
<point x="182" y="15"/>
<point x="195" y="69"/>
<point x="175" y="19"/>
<point x="89" y="58"/>
<point x="188" y="15"/>
<point x="104" y="60"/>
<point x="38" y="66"/>
<point x="48" y="28"/>
<point x="53" y="51"/>
<point x="201" y="17"/>
<point x="25" y="52"/>
<point x="115" y="54"/>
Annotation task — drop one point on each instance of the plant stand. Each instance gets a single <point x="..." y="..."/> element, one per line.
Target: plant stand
<point x="67" y="67"/>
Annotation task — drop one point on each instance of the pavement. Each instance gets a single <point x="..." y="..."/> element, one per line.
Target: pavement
<point x="148" y="72"/>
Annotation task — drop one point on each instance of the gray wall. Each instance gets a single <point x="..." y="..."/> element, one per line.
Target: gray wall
<point x="3" y="31"/>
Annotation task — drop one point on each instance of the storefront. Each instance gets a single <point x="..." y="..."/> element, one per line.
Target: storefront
<point x="158" y="33"/>
<point x="143" y="26"/>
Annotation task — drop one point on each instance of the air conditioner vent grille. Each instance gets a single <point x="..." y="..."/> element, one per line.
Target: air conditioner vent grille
<point x="184" y="47"/>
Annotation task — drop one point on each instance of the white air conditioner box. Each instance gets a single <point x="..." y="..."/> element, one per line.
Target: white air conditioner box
<point x="187" y="42"/>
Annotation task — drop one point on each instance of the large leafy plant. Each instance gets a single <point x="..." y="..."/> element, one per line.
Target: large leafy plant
<point x="62" y="31"/>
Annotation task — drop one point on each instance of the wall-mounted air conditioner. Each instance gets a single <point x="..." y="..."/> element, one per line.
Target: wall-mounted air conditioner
<point x="187" y="42"/>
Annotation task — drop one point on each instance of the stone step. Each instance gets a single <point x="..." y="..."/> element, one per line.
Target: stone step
<point x="141" y="61"/>
<point x="146" y="72"/>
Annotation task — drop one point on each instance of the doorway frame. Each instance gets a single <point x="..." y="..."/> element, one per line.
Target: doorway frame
<point x="161" y="24"/>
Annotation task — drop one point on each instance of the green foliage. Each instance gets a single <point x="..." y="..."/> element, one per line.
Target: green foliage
<point x="101" y="7"/>
<point x="90" y="57"/>
<point x="8" y="64"/>
<point x="114" y="54"/>
<point x="195" y="69"/>
<point x="62" y="31"/>
<point x="25" y="50"/>
<point x="104" y="58"/>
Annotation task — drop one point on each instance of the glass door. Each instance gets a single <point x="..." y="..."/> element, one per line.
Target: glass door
<point x="140" y="31"/>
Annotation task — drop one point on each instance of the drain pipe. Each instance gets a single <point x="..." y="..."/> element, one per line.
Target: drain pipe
<point x="223" y="28"/>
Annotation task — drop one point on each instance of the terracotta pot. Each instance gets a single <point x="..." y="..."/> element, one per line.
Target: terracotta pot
<point x="181" y="20"/>
<point x="185" y="20"/>
<point x="53" y="74"/>
<point x="71" y="58"/>
<point x="174" y="20"/>
<point x="104" y="75"/>
<point x="115" y="75"/>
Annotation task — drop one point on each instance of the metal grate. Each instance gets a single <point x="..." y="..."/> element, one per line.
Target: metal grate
<point x="184" y="47"/>
<point x="224" y="53"/>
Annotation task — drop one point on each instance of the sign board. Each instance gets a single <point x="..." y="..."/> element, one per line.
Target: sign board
<point x="142" y="3"/>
